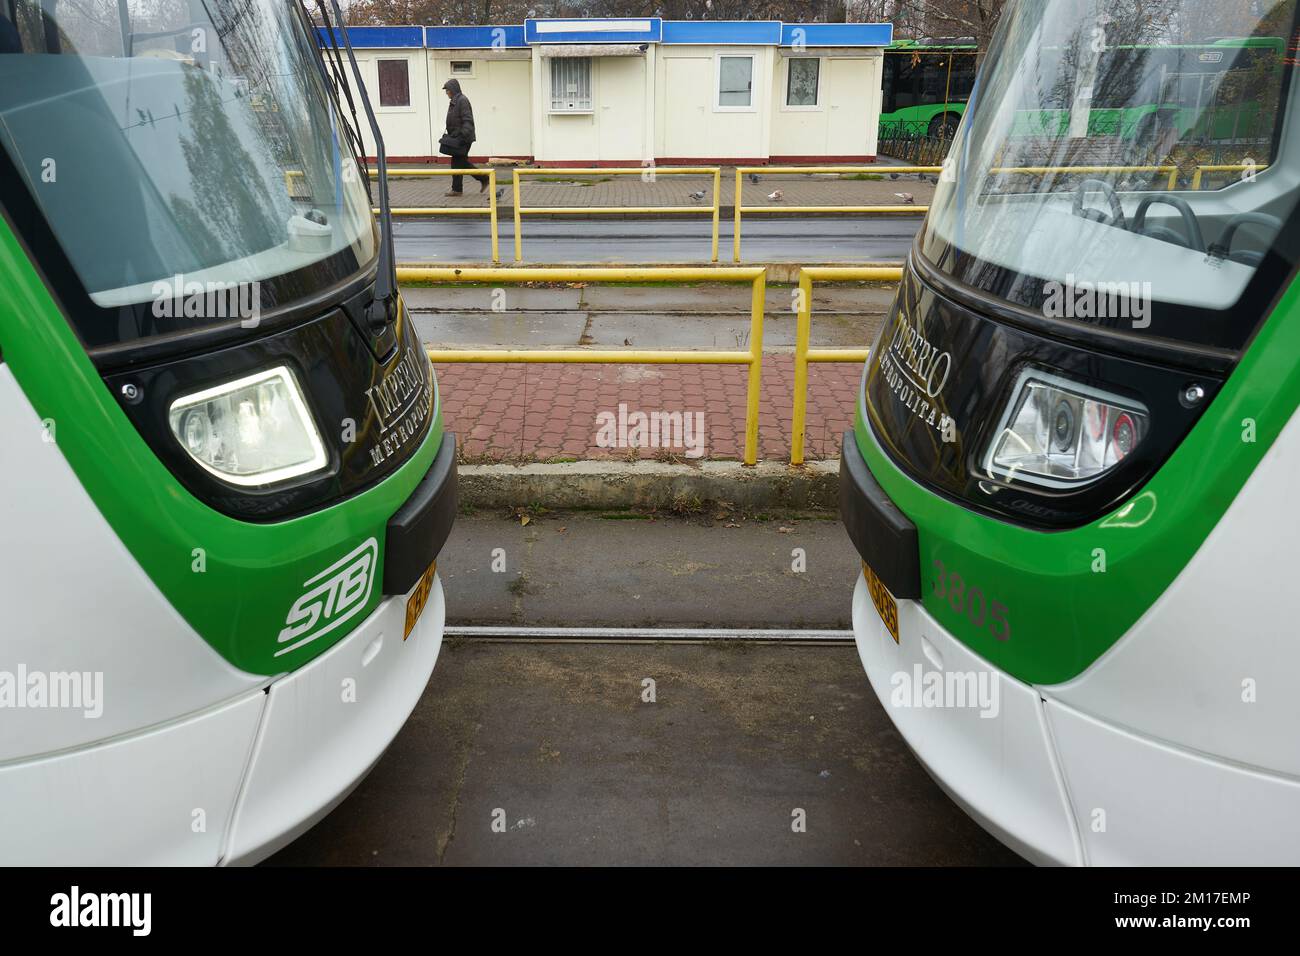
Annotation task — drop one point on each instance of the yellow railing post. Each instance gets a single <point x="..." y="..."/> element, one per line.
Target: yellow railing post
<point x="519" y="237"/>
<point x="754" y="391"/>
<point x="802" y="334"/>
<point x="717" y="209"/>
<point x="735" y="229"/>
<point x="492" y="213"/>
<point x="713" y="171"/>
<point x="751" y="357"/>
<point x="805" y="354"/>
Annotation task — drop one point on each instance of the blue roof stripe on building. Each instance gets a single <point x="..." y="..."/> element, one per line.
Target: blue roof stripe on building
<point x="594" y="30"/>
<point x="723" y="32"/>
<point x="837" y="34"/>
<point x="475" y="38"/>
<point x="622" y="30"/>
<point x="378" y="37"/>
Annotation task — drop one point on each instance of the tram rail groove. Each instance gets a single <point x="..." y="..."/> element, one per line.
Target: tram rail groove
<point x="651" y="635"/>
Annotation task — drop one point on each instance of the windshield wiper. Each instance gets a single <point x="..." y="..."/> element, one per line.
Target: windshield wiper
<point x="337" y="80"/>
<point x="382" y="310"/>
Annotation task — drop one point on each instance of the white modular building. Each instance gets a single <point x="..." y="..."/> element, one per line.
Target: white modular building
<point x="626" y="92"/>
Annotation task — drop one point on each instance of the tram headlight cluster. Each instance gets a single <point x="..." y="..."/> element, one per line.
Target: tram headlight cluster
<point x="1060" y="434"/>
<point x="256" y="430"/>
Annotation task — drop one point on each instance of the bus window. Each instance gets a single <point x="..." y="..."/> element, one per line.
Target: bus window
<point x="934" y="79"/>
<point x="906" y="81"/>
<point x="962" y="79"/>
<point x="889" y="90"/>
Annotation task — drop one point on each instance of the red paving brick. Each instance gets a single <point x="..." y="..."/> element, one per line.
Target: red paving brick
<point x="534" y="412"/>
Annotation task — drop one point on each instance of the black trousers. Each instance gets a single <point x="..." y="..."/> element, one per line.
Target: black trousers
<point x="461" y="161"/>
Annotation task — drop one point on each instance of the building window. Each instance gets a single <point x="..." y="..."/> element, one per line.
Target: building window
<point x="462" y="67"/>
<point x="801" y="81"/>
<point x="735" y="82"/>
<point x="571" y="84"/>
<point x="394" y="83"/>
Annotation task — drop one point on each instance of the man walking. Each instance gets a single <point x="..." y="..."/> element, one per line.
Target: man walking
<point x="459" y="137"/>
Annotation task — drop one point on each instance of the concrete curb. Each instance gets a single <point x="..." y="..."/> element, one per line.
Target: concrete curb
<point x="649" y="485"/>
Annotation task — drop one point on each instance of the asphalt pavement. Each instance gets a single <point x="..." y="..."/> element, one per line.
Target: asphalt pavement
<point x="566" y="753"/>
<point x="458" y="239"/>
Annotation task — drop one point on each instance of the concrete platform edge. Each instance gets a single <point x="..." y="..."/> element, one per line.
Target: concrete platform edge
<point x="651" y="485"/>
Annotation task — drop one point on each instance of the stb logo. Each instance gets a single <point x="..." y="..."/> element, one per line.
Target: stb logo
<point x="332" y="597"/>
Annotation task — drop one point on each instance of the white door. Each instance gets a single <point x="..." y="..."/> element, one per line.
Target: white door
<point x="688" y="86"/>
<point x="503" y="109"/>
<point x="621" y="107"/>
<point x="851" y="121"/>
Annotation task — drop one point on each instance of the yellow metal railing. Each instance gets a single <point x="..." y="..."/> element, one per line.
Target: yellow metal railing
<point x="1171" y="171"/>
<point x="803" y="354"/>
<point x="1236" y="168"/>
<point x="490" y="210"/>
<point x="654" y="171"/>
<point x="752" y="357"/>
<point x="742" y="171"/>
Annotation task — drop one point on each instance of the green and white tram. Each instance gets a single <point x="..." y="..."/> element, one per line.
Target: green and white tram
<point x="1074" y="470"/>
<point x="225" y="476"/>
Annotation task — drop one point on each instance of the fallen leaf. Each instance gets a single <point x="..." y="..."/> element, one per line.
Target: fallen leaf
<point x="524" y="519"/>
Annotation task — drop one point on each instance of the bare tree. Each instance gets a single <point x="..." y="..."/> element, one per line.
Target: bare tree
<point x="976" y="19"/>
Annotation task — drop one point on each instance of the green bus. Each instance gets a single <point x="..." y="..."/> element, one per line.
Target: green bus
<point x="1196" y="92"/>
<point x="1206" y="91"/>
<point x="925" y="87"/>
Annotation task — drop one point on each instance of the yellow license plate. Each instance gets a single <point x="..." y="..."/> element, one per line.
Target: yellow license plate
<point x="418" y="599"/>
<point x="885" y="604"/>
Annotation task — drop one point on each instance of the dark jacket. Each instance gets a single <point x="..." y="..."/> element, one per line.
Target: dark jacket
<point x="460" y="115"/>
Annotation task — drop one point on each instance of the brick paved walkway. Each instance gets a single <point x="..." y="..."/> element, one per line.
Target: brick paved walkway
<point x="607" y="190"/>
<point x="517" y="412"/>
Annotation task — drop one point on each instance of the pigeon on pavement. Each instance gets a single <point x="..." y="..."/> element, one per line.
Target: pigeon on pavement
<point x="776" y="195"/>
<point x="697" y="196"/>
<point x="753" y="178"/>
<point x="908" y="198"/>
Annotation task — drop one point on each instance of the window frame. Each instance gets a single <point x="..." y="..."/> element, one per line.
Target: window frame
<point x="817" y="105"/>
<point x="455" y="74"/>
<point x="379" y="89"/>
<point x="718" y="107"/>
<point x="590" y="108"/>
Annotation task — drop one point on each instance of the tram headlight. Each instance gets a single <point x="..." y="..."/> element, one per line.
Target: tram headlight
<point x="1059" y="434"/>
<point x="253" y="431"/>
